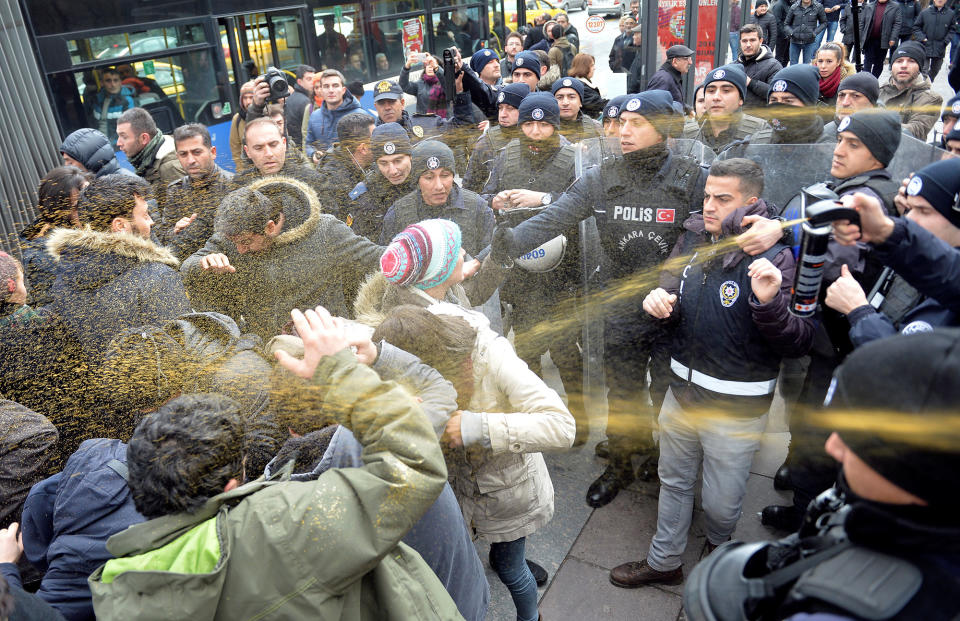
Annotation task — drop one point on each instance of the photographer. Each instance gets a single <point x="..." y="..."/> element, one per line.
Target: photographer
<point x="429" y="88"/>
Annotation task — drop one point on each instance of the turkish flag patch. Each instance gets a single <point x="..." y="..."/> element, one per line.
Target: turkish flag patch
<point x="665" y="215"/>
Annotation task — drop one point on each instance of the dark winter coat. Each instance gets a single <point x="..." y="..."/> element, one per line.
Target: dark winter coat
<point x="667" y="79"/>
<point x="933" y="28"/>
<point x="27" y="442"/>
<point x="804" y="23"/>
<point x="929" y="264"/>
<point x="780" y="9"/>
<point x="339" y="173"/>
<point x="39" y="268"/>
<point x="619" y="61"/>
<point x="305" y="266"/>
<point x="68" y="518"/>
<point x="26" y="606"/>
<point x="188" y="196"/>
<point x="909" y="10"/>
<point x="419" y="89"/>
<point x="468" y="210"/>
<point x="108" y="282"/>
<point x="846" y="26"/>
<point x="891" y="27"/>
<point x="767" y="22"/>
<point x="371" y="198"/>
<point x="293" y="110"/>
<point x="867" y="324"/>
<point x="635" y="68"/>
<point x="92" y="149"/>
<point x="760" y="69"/>
<point x="593" y="101"/>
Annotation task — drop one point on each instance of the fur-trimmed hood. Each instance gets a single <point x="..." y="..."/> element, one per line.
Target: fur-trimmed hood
<point x="377" y="296"/>
<point x="302" y="220"/>
<point x="89" y="259"/>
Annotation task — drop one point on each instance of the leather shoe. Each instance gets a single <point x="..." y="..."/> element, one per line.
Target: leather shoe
<point x="602" y="449"/>
<point x="781" y="480"/>
<point x="608" y="485"/>
<point x="539" y="573"/>
<point x="637" y="573"/>
<point x="785" y="518"/>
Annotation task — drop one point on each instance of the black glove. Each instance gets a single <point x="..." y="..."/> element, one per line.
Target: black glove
<point x="504" y="246"/>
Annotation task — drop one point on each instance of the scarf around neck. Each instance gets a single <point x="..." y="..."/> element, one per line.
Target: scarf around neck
<point x="142" y="160"/>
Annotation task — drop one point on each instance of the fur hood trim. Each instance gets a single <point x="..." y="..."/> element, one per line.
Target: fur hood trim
<point x="368" y="306"/>
<point x="305" y="228"/>
<point x="121" y="244"/>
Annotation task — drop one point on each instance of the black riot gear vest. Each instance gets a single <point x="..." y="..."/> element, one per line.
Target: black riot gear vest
<point x="639" y="220"/>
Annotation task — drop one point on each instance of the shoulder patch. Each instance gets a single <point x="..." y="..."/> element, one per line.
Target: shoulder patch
<point x="359" y="190"/>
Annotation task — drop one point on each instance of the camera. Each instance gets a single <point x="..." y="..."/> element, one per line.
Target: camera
<point x="450" y="73"/>
<point x="279" y="88"/>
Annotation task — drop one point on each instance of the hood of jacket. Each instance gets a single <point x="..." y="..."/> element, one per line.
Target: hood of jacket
<point x="90" y="259"/>
<point x="304" y="220"/>
<point x="377" y="296"/>
<point x="209" y="337"/>
<point x="348" y="105"/>
<point x="730" y="227"/>
<point x="92" y="149"/>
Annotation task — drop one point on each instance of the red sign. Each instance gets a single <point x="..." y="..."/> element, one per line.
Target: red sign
<point x="412" y="36"/>
<point x="595" y="24"/>
<point x="665" y="215"/>
<point x="707" y="37"/>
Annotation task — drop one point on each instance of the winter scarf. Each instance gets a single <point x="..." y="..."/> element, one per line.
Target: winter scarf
<point x="437" y="102"/>
<point x="829" y="85"/>
<point x="142" y="160"/>
<point x="647" y="161"/>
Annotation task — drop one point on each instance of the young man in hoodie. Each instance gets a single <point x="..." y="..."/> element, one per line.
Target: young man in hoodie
<point x="733" y="328"/>
<point x="758" y="63"/>
<point x="337" y="103"/>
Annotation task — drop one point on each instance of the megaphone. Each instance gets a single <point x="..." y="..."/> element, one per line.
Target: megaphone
<point x="813" y="251"/>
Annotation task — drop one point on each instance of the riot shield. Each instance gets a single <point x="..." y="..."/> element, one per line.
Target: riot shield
<point x="912" y="155"/>
<point x="693" y="148"/>
<point x="788" y="167"/>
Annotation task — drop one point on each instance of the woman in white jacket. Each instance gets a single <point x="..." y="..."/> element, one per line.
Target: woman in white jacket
<point x="507" y="416"/>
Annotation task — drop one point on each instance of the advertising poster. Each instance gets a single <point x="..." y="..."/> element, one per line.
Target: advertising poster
<point x="671" y="25"/>
<point x="707" y="37"/>
<point x="412" y="36"/>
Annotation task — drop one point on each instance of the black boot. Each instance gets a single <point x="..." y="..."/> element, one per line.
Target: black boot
<point x="602" y="449"/>
<point x="609" y="484"/>
<point x="785" y="518"/>
<point x="539" y="573"/>
<point x="781" y="480"/>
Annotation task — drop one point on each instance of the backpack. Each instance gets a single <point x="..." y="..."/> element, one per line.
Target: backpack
<point x="566" y="61"/>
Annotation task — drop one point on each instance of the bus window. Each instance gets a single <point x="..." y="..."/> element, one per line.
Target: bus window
<point x="176" y="89"/>
<point x="284" y="50"/>
<point x="460" y="27"/>
<point x="118" y="46"/>
<point x="392" y="7"/>
<point x="334" y="32"/>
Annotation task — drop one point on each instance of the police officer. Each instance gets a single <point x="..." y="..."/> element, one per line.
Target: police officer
<point x="725" y="121"/>
<point x="385" y="184"/>
<point x="866" y="142"/>
<point x="525" y="175"/>
<point x="611" y="116"/>
<point x="528" y="69"/>
<point x="792" y="105"/>
<point x="437" y="195"/>
<point x="574" y="126"/>
<point x="389" y="102"/>
<point x="496" y="137"/>
<point x="483" y="81"/>
<point x="346" y="164"/>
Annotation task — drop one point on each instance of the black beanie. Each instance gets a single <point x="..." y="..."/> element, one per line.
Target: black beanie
<point x="879" y="130"/>
<point x="656" y="106"/>
<point x="893" y="390"/>
<point x="612" y="109"/>
<point x="951" y="109"/>
<point x="728" y="73"/>
<point x="939" y="183"/>
<point x="539" y="107"/>
<point x="800" y="80"/>
<point x="431" y="155"/>
<point x="912" y="49"/>
<point x="864" y="83"/>
<point x="513" y="94"/>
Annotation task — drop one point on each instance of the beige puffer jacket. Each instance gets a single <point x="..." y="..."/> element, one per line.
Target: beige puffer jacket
<point x="501" y="481"/>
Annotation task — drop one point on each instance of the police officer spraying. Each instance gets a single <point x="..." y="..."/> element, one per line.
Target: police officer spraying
<point x="640" y="201"/>
<point x="525" y="175"/>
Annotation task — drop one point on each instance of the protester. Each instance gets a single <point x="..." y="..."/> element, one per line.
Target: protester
<point x="237" y="124"/>
<point x="803" y="24"/>
<point x="298" y="101"/>
<point x="934" y="25"/>
<point x="881" y="23"/>
<point x="152" y="155"/>
<point x="562" y="51"/>
<point x="337" y="103"/>
<point x="668" y="77"/>
<point x="582" y="68"/>
<point x="911" y="92"/>
<point x="428" y="89"/>
<point x="90" y="151"/>
<point x="767" y="22"/>
<point x="832" y="8"/>
<point x="781" y="46"/>
<point x="512" y="46"/>
<point x="833" y="68"/>
<point x="57" y="196"/>
<point x="759" y="65"/>
<point x="619" y="61"/>
<point x="272" y="236"/>
<point x="27" y="448"/>
<point x="15" y="603"/>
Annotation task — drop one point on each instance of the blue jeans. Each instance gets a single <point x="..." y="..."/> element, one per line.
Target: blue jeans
<point x="508" y="559"/>
<point x="808" y="50"/>
<point x="734" y="46"/>
<point x="725" y="445"/>
<point x="829" y="32"/>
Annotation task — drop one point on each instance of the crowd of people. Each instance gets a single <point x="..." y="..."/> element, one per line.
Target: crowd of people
<point x="305" y="388"/>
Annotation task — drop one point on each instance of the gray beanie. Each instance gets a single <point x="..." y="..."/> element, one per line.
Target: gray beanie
<point x="431" y="155"/>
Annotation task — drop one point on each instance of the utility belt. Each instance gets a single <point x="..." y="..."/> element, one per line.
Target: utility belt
<point x="724" y="387"/>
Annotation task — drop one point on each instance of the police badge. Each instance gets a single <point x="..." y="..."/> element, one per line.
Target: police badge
<point x="729" y="292"/>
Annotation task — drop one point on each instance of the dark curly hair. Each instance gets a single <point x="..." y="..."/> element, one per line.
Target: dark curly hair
<point x="185" y="453"/>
